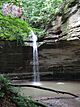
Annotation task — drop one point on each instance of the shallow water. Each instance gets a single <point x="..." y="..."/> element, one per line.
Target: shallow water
<point x="72" y="87"/>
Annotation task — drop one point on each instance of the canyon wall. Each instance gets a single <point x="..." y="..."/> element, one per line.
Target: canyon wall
<point x="59" y="52"/>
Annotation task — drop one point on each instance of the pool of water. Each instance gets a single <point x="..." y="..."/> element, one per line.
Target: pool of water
<point x="72" y="87"/>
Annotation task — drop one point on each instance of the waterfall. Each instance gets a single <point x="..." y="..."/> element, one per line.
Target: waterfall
<point x="36" y="75"/>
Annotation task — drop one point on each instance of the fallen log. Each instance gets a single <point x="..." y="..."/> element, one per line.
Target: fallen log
<point x="43" y="88"/>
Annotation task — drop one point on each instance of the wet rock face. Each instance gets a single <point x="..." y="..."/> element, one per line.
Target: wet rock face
<point x="61" y="52"/>
<point x="14" y="58"/>
<point x="61" y="58"/>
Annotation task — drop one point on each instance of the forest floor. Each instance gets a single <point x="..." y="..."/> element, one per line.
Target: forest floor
<point x="6" y="102"/>
<point x="60" y="101"/>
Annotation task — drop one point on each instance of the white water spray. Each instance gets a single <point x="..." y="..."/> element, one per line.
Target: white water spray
<point x="36" y="75"/>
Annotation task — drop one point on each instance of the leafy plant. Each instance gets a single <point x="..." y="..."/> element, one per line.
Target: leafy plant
<point x="4" y="82"/>
<point x="24" y="102"/>
<point x="7" y="92"/>
<point x="13" y="28"/>
<point x="5" y="86"/>
<point x="38" y="12"/>
<point x="35" y="12"/>
<point x="16" y="2"/>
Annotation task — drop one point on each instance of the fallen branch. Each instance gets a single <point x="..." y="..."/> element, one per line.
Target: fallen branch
<point x="43" y="88"/>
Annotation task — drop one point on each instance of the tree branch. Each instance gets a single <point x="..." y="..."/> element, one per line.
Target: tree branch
<point x="48" y="89"/>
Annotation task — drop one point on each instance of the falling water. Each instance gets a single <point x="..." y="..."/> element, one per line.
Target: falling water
<point x="36" y="75"/>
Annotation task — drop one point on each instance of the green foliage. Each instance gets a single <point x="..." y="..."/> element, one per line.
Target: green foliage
<point x="2" y="94"/>
<point x="6" y="90"/>
<point x="24" y="102"/>
<point x="5" y="86"/>
<point x="13" y="28"/>
<point x="16" y="2"/>
<point x="3" y="1"/>
<point x="39" y="32"/>
<point x="4" y="82"/>
<point x="38" y="12"/>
